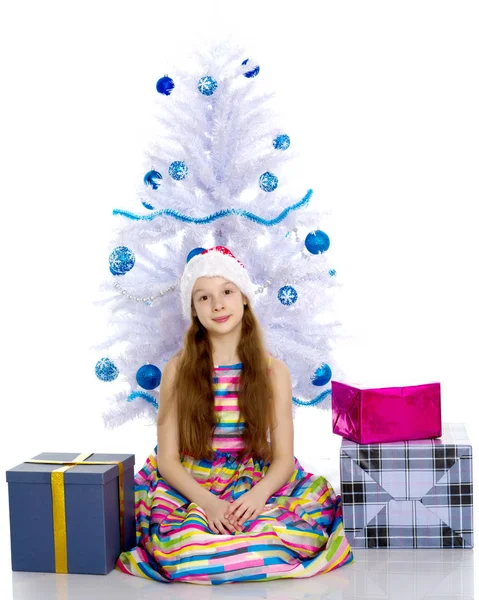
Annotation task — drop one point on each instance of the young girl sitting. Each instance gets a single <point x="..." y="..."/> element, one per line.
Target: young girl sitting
<point x="222" y="498"/>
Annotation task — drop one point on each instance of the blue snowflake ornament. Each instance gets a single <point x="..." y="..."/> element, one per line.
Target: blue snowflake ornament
<point x="281" y="142"/>
<point x="268" y="182"/>
<point x="152" y="179"/>
<point x="106" y="370"/>
<point x="164" y="85"/>
<point x="122" y="260"/>
<point x="287" y="295"/>
<point x="178" y="170"/>
<point x="207" y="85"/>
<point x="322" y="375"/>
<point x="317" y="242"/>
<point x="252" y="72"/>
<point x="148" y="377"/>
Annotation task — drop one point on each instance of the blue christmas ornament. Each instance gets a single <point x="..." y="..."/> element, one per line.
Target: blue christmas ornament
<point x="147" y="205"/>
<point x="153" y="179"/>
<point x="287" y="295"/>
<point x="148" y="377"/>
<point x="253" y="71"/>
<point x="207" y="85"/>
<point x="322" y="375"/>
<point x="316" y="242"/>
<point x="165" y="85"/>
<point x="332" y="272"/>
<point x="178" y="170"/>
<point x="268" y="182"/>
<point x="106" y="370"/>
<point x="122" y="260"/>
<point x="281" y="142"/>
<point x="194" y="253"/>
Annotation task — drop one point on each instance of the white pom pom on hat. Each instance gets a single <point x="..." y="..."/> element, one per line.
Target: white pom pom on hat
<point x="214" y="262"/>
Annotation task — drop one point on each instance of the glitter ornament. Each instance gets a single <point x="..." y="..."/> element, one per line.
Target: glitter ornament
<point x="268" y="182"/>
<point x="317" y="242"/>
<point x="106" y="370"/>
<point x="253" y="72"/>
<point x="122" y="260"/>
<point x="147" y="205"/>
<point x="178" y="170"/>
<point x="194" y="253"/>
<point x="207" y="85"/>
<point x="152" y="178"/>
<point x="332" y="272"/>
<point x="281" y="142"/>
<point x="148" y="377"/>
<point x="322" y="375"/>
<point x="165" y="85"/>
<point x="287" y="295"/>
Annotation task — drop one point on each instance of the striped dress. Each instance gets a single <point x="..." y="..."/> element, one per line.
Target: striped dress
<point x="300" y="532"/>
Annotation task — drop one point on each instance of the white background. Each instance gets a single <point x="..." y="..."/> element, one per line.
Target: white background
<point x="380" y="98"/>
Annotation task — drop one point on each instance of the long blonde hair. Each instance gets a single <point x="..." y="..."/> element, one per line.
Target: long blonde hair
<point x="194" y="395"/>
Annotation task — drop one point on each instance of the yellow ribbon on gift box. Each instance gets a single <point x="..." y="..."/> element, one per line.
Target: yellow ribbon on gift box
<point x="58" y="503"/>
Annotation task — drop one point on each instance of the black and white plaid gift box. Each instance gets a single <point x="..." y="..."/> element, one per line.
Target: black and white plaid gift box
<point x="415" y="494"/>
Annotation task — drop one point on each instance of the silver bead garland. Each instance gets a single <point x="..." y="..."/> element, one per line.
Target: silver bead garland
<point x="146" y="300"/>
<point x="149" y="299"/>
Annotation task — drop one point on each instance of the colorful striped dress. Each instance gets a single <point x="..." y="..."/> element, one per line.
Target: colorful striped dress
<point x="300" y="532"/>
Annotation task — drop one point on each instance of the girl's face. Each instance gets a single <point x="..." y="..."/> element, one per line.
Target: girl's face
<point x="218" y="304"/>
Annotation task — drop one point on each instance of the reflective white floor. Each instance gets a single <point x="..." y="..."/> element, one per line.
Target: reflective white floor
<point x="375" y="574"/>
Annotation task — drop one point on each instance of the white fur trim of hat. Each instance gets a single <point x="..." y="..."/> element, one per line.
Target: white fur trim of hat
<point x="214" y="262"/>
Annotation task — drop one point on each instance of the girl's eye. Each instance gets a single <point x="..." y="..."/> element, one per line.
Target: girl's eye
<point x="229" y="292"/>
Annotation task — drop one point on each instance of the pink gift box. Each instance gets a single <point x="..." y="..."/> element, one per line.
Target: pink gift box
<point x="368" y="415"/>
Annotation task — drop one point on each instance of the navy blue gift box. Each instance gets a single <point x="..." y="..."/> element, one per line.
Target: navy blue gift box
<point x="91" y="503"/>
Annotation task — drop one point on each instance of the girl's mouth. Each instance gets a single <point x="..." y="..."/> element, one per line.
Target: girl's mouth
<point x="222" y="319"/>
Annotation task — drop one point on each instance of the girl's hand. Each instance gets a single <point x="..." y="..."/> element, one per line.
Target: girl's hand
<point x="217" y="521"/>
<point x="249" y="506"/>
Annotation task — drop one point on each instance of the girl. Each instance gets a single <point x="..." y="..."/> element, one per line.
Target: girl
<point x="223" y="499"/>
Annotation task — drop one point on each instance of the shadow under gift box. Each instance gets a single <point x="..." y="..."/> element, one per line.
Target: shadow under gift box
<point x="368" y="415"/>
<point x="92" y="513"/>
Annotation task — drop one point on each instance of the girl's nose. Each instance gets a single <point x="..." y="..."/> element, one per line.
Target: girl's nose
<point x="218" y="303"/>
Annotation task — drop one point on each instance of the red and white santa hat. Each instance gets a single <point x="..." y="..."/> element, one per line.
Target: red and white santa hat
<point x="214" y="262"/>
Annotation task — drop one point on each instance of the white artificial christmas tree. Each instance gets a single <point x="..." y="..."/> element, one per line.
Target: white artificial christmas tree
<point x="218" y="175"/>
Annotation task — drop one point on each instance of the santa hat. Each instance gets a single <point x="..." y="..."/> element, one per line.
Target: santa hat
<point x="214" y="262"/>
